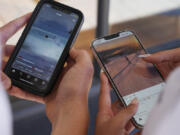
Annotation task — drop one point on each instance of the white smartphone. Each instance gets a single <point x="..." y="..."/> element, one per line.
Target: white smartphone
<point x="130" y="76"/>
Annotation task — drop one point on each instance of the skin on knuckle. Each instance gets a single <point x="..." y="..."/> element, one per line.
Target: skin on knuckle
<point x="91" y="68"/>
<point x="131" y="109"/>
<point x="85" y="55"/>
<point x="14" y="23"/>
<point x="128" y="111"/>
<point x="82" y="53"/>
<point x="86" y="62"/>
<point x="105" y="81"/>
<point x="88" y="70"/>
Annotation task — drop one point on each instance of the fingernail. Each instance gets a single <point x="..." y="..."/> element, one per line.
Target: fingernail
<point x="135" y="101"/>
<point x="102" y="71"/>
<point x="144" y="55"/>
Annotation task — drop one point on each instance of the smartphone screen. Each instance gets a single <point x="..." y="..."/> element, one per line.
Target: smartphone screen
<point x="43" y="46"/>
<point x="131" y="76"/>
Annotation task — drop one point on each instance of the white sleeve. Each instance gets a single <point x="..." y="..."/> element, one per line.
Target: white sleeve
<point x="164" y="118"/>
<point x="6" y="127"/>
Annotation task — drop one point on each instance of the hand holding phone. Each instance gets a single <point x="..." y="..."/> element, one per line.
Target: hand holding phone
<point x="69" y="95"/>
<point x="79" y="61"/>
<point x="6" y="32"/>
<point x="111" y="119"/>
<point x="43" y="47"/>
<point x="65" y="97"/>
<point x="130" y="76"/>
<point x="166" y="61"/>
<point x="63" y="94"/>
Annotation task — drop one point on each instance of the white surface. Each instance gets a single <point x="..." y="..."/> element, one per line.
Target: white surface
<point x="123" y="10"/>
<point x="6" y="127"/>
<point x="120" y="10"/>
<point x="164" y="119"/>
<point x="147" y="99"/>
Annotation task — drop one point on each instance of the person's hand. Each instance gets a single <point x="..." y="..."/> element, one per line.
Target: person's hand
<point x="111" y="120"/>
<point x="74" y="81"/>
<point x="67" y="105"/>
<point x="68" y="102"/>
<point x="166" y="61"/>
<point x="6" y="32"/>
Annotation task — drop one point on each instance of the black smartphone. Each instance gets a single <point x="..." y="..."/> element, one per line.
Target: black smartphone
<point x="130" y="76"/>
<point x="43" y="47"/>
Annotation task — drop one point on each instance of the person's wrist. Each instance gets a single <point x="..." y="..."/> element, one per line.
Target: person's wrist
<point x="73" y="101"/>
<point x="64" y="106"/>
<point x="72" y="94"/>
<point x="70" y="112"/>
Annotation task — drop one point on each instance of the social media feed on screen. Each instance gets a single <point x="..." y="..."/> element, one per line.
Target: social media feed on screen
<point x="43" y="46"/>
<point x="132" y="76"/>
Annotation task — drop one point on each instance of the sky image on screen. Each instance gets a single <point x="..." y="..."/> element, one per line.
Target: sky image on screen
<point x="45" y="42"/>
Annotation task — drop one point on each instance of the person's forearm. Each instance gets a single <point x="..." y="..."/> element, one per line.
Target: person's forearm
<point x="73" y="119"/>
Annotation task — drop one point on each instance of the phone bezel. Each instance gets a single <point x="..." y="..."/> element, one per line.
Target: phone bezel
<point x="63" y="57"/>
<point x="111" y="37"/>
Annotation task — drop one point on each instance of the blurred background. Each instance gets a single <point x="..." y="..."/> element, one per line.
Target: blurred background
<point x="156" y="23"/>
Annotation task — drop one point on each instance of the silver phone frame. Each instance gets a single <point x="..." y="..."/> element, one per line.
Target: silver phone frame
<point x="102" y="66"/>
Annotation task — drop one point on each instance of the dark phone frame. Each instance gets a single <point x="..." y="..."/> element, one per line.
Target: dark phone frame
<point x="120" y="97"/>
<point x="62" y="59"/>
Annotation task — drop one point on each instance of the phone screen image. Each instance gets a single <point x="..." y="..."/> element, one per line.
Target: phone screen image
<point x="44" y="44"/>
<point x="131" y="76"/>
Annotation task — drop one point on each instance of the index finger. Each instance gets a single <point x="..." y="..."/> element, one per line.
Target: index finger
<point x="164" y="56"/>
<point x="105" y="111"/>
<point x="12" y="27"/>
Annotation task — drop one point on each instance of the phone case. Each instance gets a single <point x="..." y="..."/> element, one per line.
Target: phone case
<point x="61" y="61"/>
